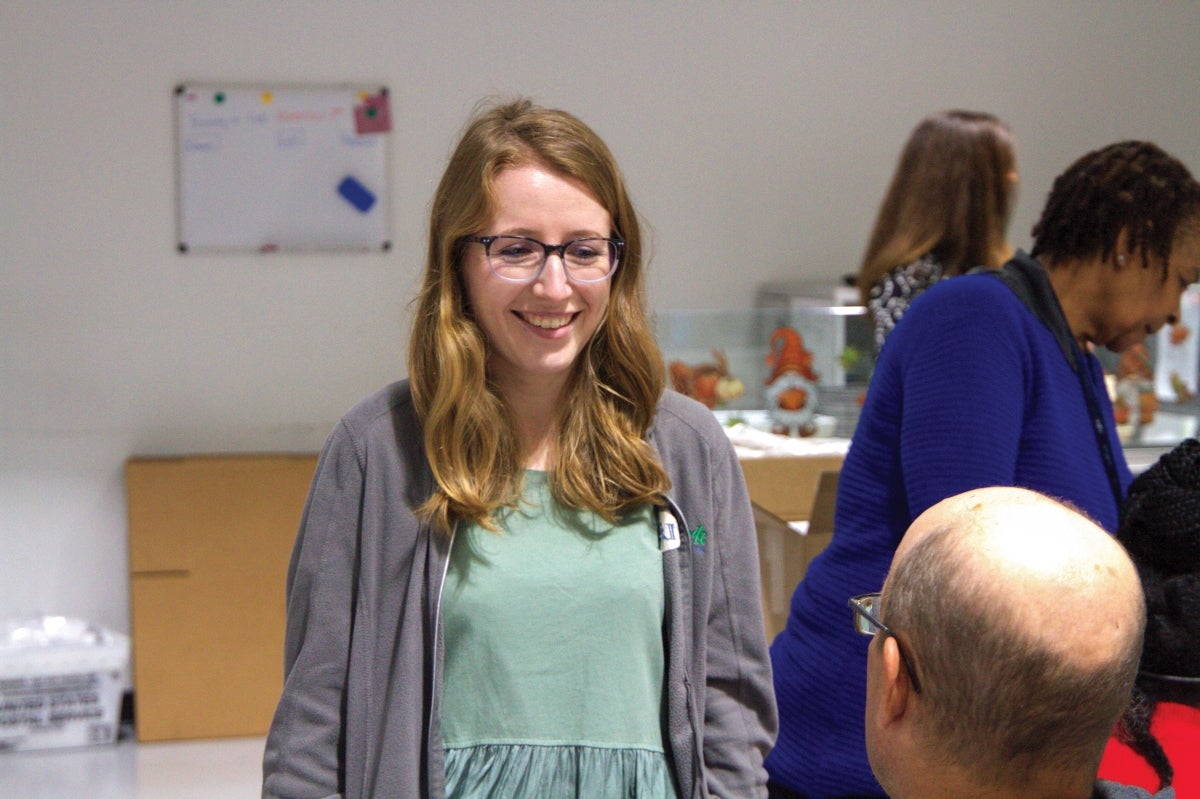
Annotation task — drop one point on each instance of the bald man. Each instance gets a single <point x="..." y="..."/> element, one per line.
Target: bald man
<point x="1006" y="643"/>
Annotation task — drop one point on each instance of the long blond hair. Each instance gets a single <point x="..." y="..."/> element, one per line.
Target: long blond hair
<point x="951" y="195"/>
<point x="603" y="461"/>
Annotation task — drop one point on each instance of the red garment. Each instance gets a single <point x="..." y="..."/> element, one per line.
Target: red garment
<point x="1177" y="728"/>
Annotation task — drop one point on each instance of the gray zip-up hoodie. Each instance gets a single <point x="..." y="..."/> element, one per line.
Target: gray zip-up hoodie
<point x="358" y="718"/>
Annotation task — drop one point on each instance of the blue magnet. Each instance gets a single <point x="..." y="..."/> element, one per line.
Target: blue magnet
<point x="356" y="194"/>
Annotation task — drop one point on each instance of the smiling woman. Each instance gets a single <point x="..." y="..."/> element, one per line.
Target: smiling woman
<point x="536" y="328"/>
<point x="490" y="594"/>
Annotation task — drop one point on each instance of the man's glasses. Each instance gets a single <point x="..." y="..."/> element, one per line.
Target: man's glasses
<point x="866" y="621"/>
<point x="520" y="259"/>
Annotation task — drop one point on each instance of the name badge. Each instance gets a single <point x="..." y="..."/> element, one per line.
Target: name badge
<point x="668" y="531"/>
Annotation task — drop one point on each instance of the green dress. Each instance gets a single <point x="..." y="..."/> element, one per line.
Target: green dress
<point x="554" y="663"/>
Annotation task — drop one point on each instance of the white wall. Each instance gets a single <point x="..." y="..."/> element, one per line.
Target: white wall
<point x="757" y="138"/>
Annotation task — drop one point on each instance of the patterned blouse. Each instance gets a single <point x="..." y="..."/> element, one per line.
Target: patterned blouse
<point x="894" y="292"/>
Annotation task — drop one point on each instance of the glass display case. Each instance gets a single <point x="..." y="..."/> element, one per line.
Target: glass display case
<point x="757" y="365"/>
<point x="1153" y="389"/>
<point x="817" y="341"/>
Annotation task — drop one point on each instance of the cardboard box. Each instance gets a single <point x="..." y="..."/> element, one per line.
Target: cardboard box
<point x="59" y="692"/>
<point x="784" y="490"/>
<point x="787" y="485"/>
<point x="209" y="542"/>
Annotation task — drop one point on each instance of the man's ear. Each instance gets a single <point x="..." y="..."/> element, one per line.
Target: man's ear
<point x="896" y="685"/>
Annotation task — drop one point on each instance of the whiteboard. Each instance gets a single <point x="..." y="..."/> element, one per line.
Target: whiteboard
<point x="282" y="168"/>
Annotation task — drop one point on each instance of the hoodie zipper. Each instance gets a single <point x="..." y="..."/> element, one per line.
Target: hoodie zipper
<point x="435" y="678"/>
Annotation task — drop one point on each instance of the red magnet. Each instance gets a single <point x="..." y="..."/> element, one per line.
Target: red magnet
<point x="373" y="114"/>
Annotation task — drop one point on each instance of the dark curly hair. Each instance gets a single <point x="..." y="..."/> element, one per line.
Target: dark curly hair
<point x="1130" y="185"/>
<point x="1160" y="528"/>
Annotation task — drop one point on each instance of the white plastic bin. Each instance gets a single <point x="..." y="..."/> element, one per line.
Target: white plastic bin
<point x="61" y="681"/>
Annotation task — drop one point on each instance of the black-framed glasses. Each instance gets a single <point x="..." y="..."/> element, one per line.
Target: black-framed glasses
<point x="520" y="259"/>
<point x="866" y="621"/>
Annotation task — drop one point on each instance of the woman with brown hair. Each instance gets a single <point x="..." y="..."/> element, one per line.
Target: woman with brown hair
<point x="945" y="212"/>
<point x="528" y="570"/>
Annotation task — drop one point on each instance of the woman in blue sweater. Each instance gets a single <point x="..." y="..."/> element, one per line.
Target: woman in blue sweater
<point x="989" y="379"/>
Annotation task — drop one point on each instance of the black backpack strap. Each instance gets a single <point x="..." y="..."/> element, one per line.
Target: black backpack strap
<point x="1027" y="279"/>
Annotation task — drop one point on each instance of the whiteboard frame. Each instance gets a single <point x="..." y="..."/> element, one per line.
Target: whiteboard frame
<point x="275" y="201"/>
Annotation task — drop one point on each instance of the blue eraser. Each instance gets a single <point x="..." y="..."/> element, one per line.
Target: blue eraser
<point x="356" y="194"/>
